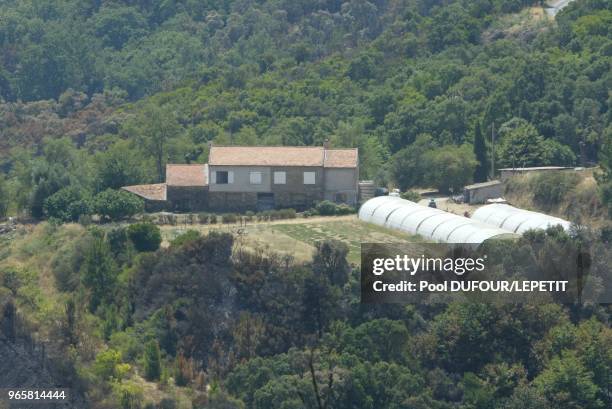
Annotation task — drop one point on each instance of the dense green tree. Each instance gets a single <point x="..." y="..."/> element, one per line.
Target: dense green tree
<point x="407" y="166"/>
<point x="59" y="166"/>
<point x="604" y="178"/>
<point x="567" y="383"/>
<point x="521" y="145"/>
<point x="449" y="167"/>
<point x="108" y="366"/>
<point x="156" y="127"/>
<point x="46" y="180"/>
<point x="117" y="204"/>
<point x="4" y="197"/>
<point x="117" y="167"/>
<point x="525" y="397"/>
<point x="330" y="262"/>
<point x="115" y="26"/>
<point x="480" y="152"/>
<point x="222" y="400"/>
<point x="99" y="273"/>
<point x="319" y="301"/>
<point x="593" y="340"/>
<point x="152" y="361"/>
<point x="145" y="236"/>
<point x="67" y="204"/>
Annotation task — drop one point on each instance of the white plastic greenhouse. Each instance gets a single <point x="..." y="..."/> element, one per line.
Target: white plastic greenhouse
<point x="516" y="220"/>
<point x="432" y="224"/>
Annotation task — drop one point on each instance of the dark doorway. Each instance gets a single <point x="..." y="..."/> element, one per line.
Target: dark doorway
<point x="265" y="201"/>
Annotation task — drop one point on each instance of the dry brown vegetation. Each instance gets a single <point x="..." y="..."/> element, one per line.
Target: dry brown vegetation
<point x="580" y="203"/>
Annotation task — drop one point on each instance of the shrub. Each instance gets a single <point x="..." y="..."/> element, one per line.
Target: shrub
<point x="117" y="204"/>
<point x="411" y="195"/>
<point x="4" y="198"/>
<point x="606" y="233"/>
<point x="67" y="204"/>
<point x="286" y="213"/>
<point x="129" y="394"/>
<point x="172" y="219"/>
<point x="117" y="239"/>
<point x="229" y="218"/>
<point x="108" y="365"/>
<point x="343" y="209"/>
<point x="152" y="361"/>
<point x="203" y="218"/>
<point x="145" y="236"/>
<point x="310" y="213"/>
<point x="167" y="403"/>
<point x="449" y="167"/>
<point x="188" y="236"/>
<point x="326" y="208"/>
<point x="184" y="371"/>
<point x="67" y="263"/>
<point x="550" y="188"/>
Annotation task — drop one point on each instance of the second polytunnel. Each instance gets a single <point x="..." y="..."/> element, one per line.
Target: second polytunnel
<point x="432" y="224"/>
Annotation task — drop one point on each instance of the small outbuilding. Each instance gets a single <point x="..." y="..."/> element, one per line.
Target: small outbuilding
<point x="480" y="192"/>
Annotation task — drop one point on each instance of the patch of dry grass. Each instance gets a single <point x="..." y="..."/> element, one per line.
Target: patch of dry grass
<point x="297" y="237"/>
<point x="582" y="203"/>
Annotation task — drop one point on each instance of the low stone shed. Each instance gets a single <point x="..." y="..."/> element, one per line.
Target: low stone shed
<point x="479" y="192"/>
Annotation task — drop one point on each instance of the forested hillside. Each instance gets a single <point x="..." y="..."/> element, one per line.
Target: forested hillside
<point x="414" y="84"/>
<point x="208" y="323"/>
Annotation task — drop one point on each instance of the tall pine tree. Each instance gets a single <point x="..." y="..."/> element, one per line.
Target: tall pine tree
<point x="604" y="177"/>
<point x="152" y="361"/>
<point x="480" y="151"/>
<point x="99" y="272"/>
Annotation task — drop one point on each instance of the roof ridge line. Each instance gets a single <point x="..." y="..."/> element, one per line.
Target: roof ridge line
<point x="268" y="146"/>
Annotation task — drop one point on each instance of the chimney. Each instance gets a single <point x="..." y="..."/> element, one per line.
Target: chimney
<point x="326" y="144"/>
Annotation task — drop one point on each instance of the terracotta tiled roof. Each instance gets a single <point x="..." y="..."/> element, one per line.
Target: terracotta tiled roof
<point x="149" y="192"/>
<point x="187" y="175"/>
<point x="341" y="158"/>
<point x="279" y="156"/>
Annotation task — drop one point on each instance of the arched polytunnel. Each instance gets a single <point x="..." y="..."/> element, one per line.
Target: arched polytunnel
<point x="516" y="220"/>
<point x="432" y="224"/>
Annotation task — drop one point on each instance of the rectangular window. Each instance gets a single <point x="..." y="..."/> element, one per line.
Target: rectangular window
<point x="309" y="178"/>
<point x="280" y="178"/>
<point x="224" y="177"/>
<point x="255" y="178"/>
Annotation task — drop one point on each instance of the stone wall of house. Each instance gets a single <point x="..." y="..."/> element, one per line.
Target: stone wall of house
<point x="153" y="206"/>
<point x="232" y="201"/>
<point x="341" y="185"/>
<point x="187" y="198"/>
<point x="295" y="194"/>
<point x="297" y="201"/>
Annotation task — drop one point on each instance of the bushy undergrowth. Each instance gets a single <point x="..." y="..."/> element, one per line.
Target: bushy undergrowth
<point x="549" y="189"/>
<point x="328" y="208"/>
<point x="571" y="195"/>
<point x="411" y="195"/>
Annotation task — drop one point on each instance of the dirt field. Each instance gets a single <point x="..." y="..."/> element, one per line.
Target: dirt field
<point x="297" y="237"/>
